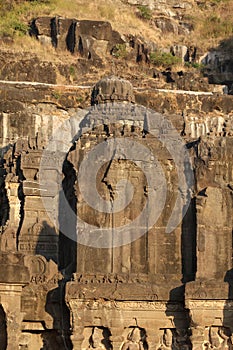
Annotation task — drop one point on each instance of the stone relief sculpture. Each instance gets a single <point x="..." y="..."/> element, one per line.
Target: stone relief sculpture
<point x="135" y="340"/>
<point x="218" y="339"/>
<point x="125" y="287"/>
<point x="175" y="340"/>
<point x="98" y="340"/>
<point x="166" y="340"/>
<point x="8" y="240"/>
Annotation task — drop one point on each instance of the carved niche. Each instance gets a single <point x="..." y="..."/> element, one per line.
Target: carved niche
<point x="98" y="339"/>
<point x="136" y="340"/>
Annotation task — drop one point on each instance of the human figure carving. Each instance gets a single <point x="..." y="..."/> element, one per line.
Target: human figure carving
<point x="166" y="340"/>
<point x="96" y="339"/>
<point x="218" y="339"/>
<point x="134" y="341"/>
<point x="226" y="343"/>
<point x="8" y="240"/>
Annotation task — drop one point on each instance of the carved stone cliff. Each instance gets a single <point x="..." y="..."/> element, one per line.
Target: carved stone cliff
<point x="64" y="285"/>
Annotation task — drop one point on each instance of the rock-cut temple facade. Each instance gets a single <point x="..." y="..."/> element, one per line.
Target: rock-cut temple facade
<point x="90" y="275"/>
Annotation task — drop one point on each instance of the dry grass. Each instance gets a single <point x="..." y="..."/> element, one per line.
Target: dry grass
<point x="123" y="18"/>
<point x="212" y="24"/>
<point x="27" y="47"/>
<point x="31" y="46"/>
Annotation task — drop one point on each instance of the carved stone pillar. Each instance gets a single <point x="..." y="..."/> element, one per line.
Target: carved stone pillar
<point x="153" y="338"/>
<point x="38" y="235"/>
<point x="116" y="338"/>
<point x="76" y="311"/>
<point x="77" y="338"/>
<point x="11" y="302"/>
<point x="14" y="203"/>
<point x="13" y="276"/>
<point x="214" y="233"/>
<point x="197" y="337"/>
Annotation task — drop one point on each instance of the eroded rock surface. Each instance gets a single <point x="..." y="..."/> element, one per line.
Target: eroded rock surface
<point x="159" y="291"/>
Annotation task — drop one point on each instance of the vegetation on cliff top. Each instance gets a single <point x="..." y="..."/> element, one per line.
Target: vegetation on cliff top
<point x="16" y="16"/>
<point x="211" y="20"/>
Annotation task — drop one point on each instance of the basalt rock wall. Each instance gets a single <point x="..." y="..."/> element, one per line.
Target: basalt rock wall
<point x="159" y="290"/>
<point x="89" y="39"/>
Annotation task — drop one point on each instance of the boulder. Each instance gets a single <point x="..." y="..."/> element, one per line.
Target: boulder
<point x="99" y="30"/>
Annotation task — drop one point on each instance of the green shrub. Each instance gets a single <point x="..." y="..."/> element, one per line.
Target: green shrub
<point x="14" y="16"/>
<point x="145" y="12"/>
<point x="56" y="95"/>
<point x="164" y="59"/>
<point x="72" y="71"/>
<point x="194" y="65"/>
<point x="12" y="25"/>
<point x="20" y="27"/>
<point x="79" y="99"/>
<point x="119" y="51"/>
